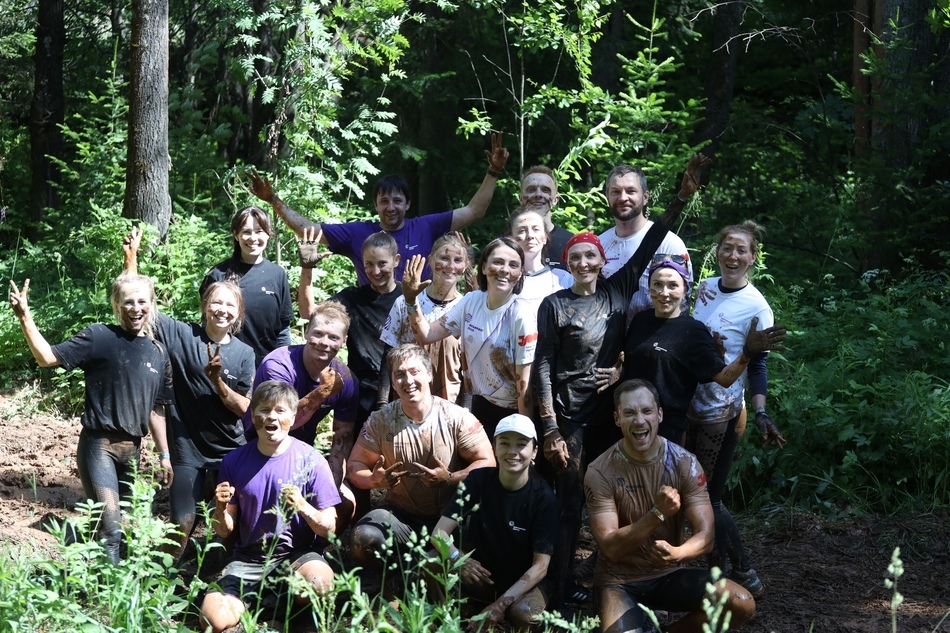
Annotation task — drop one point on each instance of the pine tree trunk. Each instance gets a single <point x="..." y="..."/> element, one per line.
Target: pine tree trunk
<point x="148" y="162"/>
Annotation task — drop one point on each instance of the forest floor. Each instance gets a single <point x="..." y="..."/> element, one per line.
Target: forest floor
<point x="821" y="575"/>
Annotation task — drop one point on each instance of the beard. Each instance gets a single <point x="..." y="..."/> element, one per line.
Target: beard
<point x="625" y="215"/>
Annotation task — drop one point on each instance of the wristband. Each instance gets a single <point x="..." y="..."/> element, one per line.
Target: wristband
<point x="455" y="555"/>
<point x="494" y="174"/>
<point x="681" y="199"/>
<point x="759" y="410"/>
<point x="165" y="456"/>
<point x="412" y="307"/>
<point x="658" y="514"/>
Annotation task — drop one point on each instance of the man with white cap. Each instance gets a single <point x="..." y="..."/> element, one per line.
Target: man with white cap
<point x="510" y="516"/>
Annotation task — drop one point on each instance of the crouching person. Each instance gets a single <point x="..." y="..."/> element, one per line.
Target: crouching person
<point x="278" y="493"/>
<point x="511" y="531"/>
<point x="640" y="493"/>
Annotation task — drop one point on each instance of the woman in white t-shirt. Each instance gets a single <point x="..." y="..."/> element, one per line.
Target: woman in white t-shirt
<point x="450" y="260"/>
<point x="726" y="305"/>
<point x="497" y="328"/>
<point x="526" y="226"/>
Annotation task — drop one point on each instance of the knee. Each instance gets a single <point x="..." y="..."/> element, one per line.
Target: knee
<point x="367" y="544"/>
<point x="740" y="604"/>
<point x="221" y="611"/>
<point x="524" y="615"/>
<point x="320" y="577"/>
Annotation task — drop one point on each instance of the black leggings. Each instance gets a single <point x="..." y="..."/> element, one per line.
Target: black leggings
<point x="715" y="446"/>
<point x="105" y="462"/>
<point x="190" y="486"/>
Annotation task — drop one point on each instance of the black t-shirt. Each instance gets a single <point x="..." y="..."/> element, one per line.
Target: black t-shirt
<point x="126" y="376"/>
<point x="577" y="334"/>
<point x="368" y="312"/>
<point x="203" y="430"/>
<point x="509" y="527"/>
<point x="675" y="355"/>
<point x="268" y="309"/>
<point x="559" y="239"/>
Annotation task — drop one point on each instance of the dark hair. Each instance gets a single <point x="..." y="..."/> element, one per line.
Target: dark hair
<point x="754" y="230"/>
<point x="486" y="253"/>
<point x="632" y="385"/>
<point x="331" y="311"/>
<point x="213" y="289"/>
<point x="622" y="170"/>
<point x="520" y="212"/>
<point x="273" y="391"/>
<point x="404" y="352"/>
<point x="383" y="240"/>
<point x="237" y="223"/>
<point x="389" y="184"/>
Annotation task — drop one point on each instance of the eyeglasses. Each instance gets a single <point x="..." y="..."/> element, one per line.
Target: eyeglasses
<point x="682" y="260"/>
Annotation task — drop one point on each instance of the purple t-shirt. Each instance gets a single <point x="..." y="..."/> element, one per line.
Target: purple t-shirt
<point x="414" y="238"/>
<point x="257" y="481"/>
<point x="286" y="365"/>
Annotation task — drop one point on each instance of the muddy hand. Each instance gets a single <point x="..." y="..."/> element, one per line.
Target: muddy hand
<point x="606" y="376"/>
<point x="18" y="299"/>
<point x="758" y="341"/>
<point x="215" y="366"/>
<point x="768" y="430"/>
<point x="308" y="247"/>
<point x="260" y="186"/>
<point x="555" y="450"/>
<point x="412" y="284"/>
<point x="498" y="156"/>
<point x="698" y="163"/>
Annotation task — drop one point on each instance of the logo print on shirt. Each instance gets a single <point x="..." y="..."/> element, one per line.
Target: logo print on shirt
<point x="524" y="339"/>
<point x="657" y="347"/>
<point x="266" y="291"/>
<point x="150" y="368"/>
<point x="515" y="528"/>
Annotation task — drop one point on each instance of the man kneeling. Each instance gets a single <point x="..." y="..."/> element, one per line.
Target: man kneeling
<point x="640" y="493"/>
<point x="279" y="494"/>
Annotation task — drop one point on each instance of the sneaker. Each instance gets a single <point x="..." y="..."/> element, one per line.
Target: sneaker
<point x="748" y="579"/>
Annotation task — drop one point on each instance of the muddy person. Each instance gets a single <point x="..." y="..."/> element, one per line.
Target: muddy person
<point x="510" y="519"/>
<point x="279" y="495"/>
<point x="391" y="196"/>
<point x="128" y="383"/>
<point x="417" y="449"/>
<point x="640" y="493"/>
<point x="539" y="193"/>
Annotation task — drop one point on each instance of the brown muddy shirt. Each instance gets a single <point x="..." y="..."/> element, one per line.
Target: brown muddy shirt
<point x="615" y="483"/>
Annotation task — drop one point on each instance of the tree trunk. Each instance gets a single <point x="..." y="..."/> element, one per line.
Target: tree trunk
<point x="721" y="80"/>
<point x="46" y="111"/>
<point x="861" y="81"/>
<point x="148" y="162"/>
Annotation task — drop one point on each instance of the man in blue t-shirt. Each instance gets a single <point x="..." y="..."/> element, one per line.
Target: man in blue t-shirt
<point x="392" y="200"/>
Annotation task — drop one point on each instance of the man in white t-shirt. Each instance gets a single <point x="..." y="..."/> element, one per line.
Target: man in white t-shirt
<point x="627" y="198"/>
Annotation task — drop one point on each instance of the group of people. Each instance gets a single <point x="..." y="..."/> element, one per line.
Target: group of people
<point x="577" y="348"/>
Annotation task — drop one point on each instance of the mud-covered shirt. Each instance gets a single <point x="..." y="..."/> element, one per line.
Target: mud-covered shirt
<point x="445" y="432"/>
<point x="202" y="429"/>
<point x="578" y="333"/>
<point x="617" y="484"/>
<point x="126" y="376"/>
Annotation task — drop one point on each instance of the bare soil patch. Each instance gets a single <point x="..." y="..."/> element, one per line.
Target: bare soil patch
<point x="823" y="576"/>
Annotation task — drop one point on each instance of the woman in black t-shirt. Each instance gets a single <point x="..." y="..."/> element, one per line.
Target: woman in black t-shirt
<point x="128" y="380"/>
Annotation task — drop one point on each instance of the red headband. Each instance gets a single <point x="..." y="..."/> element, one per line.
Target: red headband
<point x="587" y="237"/>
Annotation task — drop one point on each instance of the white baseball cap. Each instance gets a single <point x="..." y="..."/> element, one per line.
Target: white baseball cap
<point x="517" y="423"/>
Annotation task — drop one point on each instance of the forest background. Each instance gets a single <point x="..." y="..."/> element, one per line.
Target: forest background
<point x="827" y="121"/>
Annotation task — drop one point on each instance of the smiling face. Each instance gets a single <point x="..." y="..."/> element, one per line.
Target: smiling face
<point x="252" y="238"/>
<point x="585" y="262"/>
<point x="448" y="264"/>
<point x="134" y="306"/>
<point x="736" y="255"/>
<point x="324" y="340"/>
<point x="528" y="231"/>
<point x="539" y="191"/>
<point x="638" y="415"/>
<point x="503" y="269"/>
<point x="221" y="309"/>
<point x="412" y="380"/>
<point x="380" y="266"/>
<point x="667" y="290"/>
<point x="273" y="421"/>
<point x="514" y="452"/>
<point x="391" y="207"/>
<point x="626" y="197"/>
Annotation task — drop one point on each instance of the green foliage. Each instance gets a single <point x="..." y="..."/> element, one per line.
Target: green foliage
<point x="862" y="398"/>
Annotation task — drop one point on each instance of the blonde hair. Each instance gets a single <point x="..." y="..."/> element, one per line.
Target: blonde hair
<point x="119" y="286"/>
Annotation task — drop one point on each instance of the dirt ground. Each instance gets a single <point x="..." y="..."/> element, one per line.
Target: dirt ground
<point x="822" y="576"/>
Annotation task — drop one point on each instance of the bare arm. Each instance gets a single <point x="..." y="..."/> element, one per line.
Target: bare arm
<point x="236" y="402"/>
<point x="478" y="456"/>
<point x="262" y="188"/>
<point x="616" y="542"/>
<point x="412" y="286"/>
<point x="156" y="425"/>
<point x="41" y="350"/>
<point x="700" y="518"/>
<point x="442" y="531"/>
<point x="525" y="398"/>
<point x="478" y="205"/>
<point x="340" y="448"/>
<point x="130" y="251"/>
<point x="329" y="384"/>
<point x="322" y="522"/>
<point x="527" y="582"/>
<point x="756" y="342"/>
<point x="367" y="477"/>
<point x="225" y="514"/>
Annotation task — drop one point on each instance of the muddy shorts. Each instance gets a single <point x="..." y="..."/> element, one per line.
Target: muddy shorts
<point x="619" y="605"/>
<point x="245" y="580"/>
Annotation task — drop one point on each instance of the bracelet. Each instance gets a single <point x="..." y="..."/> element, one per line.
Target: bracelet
<point x="455" y="555"/>
<point x="494" y="174"/>
<point x="412" y="307"/>
<point x="658" y="514"/>
<point x="165" y="456"/>
<point x="759" y="410"/>
<point x="681" y="199"/>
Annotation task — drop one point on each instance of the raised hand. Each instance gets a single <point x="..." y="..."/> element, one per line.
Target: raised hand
<point x="412" y="284"/>
<point x="698" y="163"/>
<point x="758" y="341"/>
<point x="308" y="247"/>
<point x="223" y="493"/>
<point x="260" y="186"/>
<point x="214" y="367"/>
<point x="331" y="383"/>
<point x="18" y="300"/>
<point x="498" y="156"/>
<point x="132" y="242"/>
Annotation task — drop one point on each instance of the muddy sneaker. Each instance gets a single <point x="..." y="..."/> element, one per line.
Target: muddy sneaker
<point x="748" y="579"/>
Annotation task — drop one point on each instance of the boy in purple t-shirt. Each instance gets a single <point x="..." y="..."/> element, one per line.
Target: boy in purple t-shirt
<point x="275" y="472"/>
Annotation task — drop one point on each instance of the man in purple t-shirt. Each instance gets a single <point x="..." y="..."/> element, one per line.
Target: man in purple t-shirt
<point x="392" y="200"/>
<point x="279" y="495"/>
